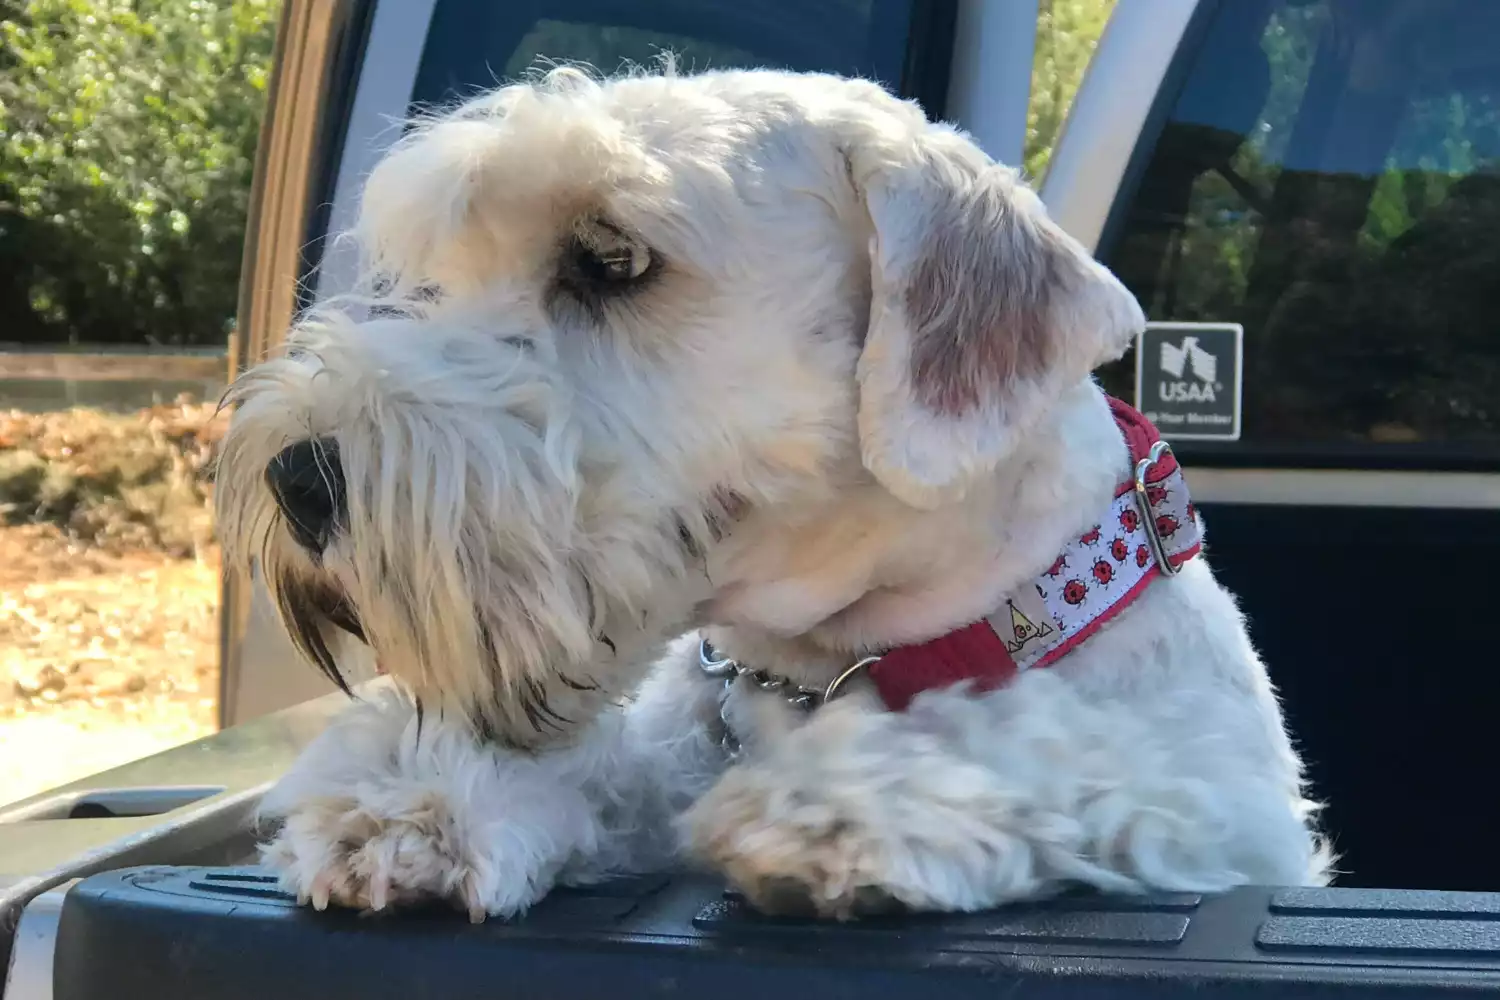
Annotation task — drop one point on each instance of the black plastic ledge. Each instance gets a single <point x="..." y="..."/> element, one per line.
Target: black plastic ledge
<point x="228" y="934"/>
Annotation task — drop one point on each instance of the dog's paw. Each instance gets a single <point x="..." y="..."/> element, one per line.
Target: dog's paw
<point x="851" y="816"/>
<point x="342" y="852"/>
<point x="381" y="812"/>
<point x="811" y="858"/>
<point x="788" y="853"/>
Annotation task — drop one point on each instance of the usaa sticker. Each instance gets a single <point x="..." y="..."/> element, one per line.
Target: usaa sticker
<point x="1189" y="379"/>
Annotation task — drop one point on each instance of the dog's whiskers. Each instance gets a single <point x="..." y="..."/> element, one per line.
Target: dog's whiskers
<point x="327" y="474"/>
<point x="304" y="622"/>
<point x="539" y="711"/>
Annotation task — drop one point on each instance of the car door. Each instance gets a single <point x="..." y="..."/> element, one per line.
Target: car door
<point x="1326" y="174"/>
<point x="351" y="71"/>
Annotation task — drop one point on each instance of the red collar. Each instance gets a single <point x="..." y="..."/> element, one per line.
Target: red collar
<point x="1150" y="529"/>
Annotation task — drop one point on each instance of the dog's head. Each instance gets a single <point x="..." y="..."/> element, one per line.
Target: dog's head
<point x="601" y="319"/>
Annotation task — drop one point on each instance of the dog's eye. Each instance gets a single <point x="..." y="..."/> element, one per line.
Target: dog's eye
<point x="600" y="257"/>
<point x="623" y="263"/>
<point x="598" y="264"/>
<point x="619" y="263"/>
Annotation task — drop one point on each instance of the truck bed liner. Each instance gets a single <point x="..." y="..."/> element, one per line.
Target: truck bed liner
<point x="229" y="934"/>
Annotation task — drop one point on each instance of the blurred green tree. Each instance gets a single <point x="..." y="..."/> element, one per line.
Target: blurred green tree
<point x="127" y="145"/>
<point x="1067" y="31"/>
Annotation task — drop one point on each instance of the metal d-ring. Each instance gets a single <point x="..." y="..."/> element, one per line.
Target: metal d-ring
<point x="1143" y="504"/>
<point x="834" y="688"/>
<point x="729" y="670"/>
<point x="713" y="664"/>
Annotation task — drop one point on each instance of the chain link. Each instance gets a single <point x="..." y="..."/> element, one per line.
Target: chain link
<point x="800" y="697"/>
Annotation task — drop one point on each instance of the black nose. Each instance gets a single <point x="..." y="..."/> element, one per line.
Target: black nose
<point x="308" y="483"/>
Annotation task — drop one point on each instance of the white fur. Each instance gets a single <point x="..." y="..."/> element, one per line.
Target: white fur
<point x="523" y="467"/>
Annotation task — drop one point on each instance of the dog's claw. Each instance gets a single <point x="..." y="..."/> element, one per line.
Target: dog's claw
<point x="380" y="889"/>
<point x="320" y="892"/>
<point x="470" y="893"/>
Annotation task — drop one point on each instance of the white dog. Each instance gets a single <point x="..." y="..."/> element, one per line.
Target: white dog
<point x="772" y="356"/>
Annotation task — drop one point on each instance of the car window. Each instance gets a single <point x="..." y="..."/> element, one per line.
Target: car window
<point x="1327" y="175"/>
<point x="474" y="44"/>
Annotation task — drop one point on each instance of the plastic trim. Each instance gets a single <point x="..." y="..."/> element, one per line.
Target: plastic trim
<point x="378" y="111"/>
<point x="31" y="956"/>
<point x="1110" y="113"/>
<point x="989" y="86"/>
<point x="1345" y="488"/>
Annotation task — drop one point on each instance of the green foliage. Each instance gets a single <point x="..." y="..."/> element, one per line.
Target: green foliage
<point x="1067" y="32"/>
<point x="127" y="143"/>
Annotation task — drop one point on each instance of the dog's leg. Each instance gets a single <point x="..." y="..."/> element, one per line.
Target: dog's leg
<point x="965" y="803"/>
<point x="389" y="807"/>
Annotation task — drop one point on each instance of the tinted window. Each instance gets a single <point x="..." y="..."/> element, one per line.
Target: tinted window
<point x="474" y="44"/>
<point x="1328" y="175"/>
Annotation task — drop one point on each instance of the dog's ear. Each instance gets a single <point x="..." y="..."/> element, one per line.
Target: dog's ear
<point x="420" y="212"/>
<point x="431" y="208"/>
<point x="983" y="311"/>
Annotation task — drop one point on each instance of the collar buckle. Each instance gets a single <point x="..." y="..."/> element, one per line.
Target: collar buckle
<point x="1148" y="517"/>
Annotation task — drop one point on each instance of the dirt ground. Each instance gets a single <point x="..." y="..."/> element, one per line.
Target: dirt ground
<point x="109" y="601"/>
<point x="106" y="656"/>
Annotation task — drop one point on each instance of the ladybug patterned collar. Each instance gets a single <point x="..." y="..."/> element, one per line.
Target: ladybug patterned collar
<point x="1149" y="531"/>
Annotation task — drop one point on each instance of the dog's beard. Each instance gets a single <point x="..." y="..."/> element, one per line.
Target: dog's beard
<point x="461" y="557"/>
<point x="308" y="607"/>
<point x="521" y="666"/>
<point x="490" y="618"/>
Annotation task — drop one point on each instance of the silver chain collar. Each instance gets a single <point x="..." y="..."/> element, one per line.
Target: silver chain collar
<point x="729" y="670"/>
